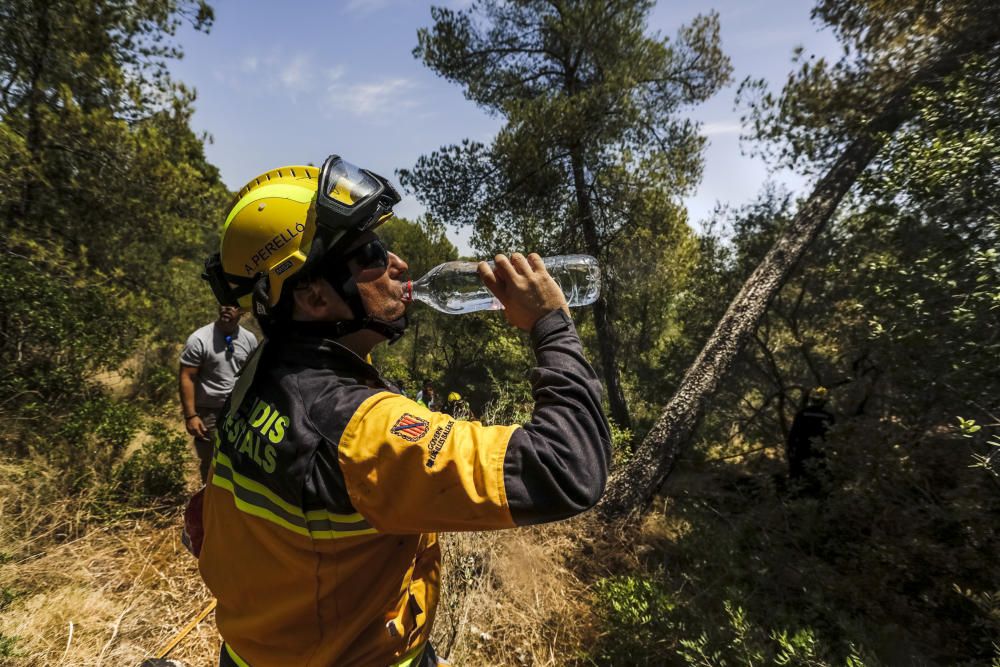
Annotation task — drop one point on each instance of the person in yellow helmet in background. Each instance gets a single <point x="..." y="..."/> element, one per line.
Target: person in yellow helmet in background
<point x="328" y="486"/>
<point x="456" y="406"/>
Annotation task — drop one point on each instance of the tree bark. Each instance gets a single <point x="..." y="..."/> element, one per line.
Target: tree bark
<point x="606" y="343"/>
<point x="632" y="487"/>
<point x="36" y="99"/>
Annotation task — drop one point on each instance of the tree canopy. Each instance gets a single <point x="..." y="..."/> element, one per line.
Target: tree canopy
<point x="594" y="148"/>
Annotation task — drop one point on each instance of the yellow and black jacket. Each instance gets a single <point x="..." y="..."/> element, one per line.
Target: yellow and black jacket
<point x="328" y="488"/>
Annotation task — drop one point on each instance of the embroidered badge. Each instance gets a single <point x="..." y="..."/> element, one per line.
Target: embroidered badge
<point x="410" y="428"/>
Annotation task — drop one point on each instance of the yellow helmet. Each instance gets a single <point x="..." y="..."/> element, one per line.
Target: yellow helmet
<point x="454" y="396"/>
<point x="287" y="218"/>
<point x="270" y="227"/>
<point x="818" y="393"/>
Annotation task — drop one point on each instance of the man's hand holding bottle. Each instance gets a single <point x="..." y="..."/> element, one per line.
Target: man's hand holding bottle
<point x="524" y="287"/>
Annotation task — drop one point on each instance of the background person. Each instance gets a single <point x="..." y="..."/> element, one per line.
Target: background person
<point x="456" y="406"/>
<point x="426" y="396"/>
<point x="210" y="360"/>
<point x="808" y="431"/>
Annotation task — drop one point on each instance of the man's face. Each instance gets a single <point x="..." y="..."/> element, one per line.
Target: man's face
<point x="229" y="314"/>
<point x="378" y="284"/>
<point x="377" y="276"/>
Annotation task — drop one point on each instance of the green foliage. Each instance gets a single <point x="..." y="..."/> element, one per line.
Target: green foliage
<point x="968" y="427"/>
<point x="511" y="403"/>
<point x="593" y="157"/>
<point x="86" y="442"/>
<point x="47" y="346"/>
<point x="990" y="461"/>
<point x="8" y="646"/>
<point x="622" y="444"/>
<point x="641" y="623"/>
<point x="636" y="613"/>
<point x="824" y="104"/>
<point x="156" y="471"/>
<point x="106" y="211"/>
<point x="423" y="243"/>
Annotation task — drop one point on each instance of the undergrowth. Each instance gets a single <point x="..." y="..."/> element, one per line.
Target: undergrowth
<point x="888" y="563"/>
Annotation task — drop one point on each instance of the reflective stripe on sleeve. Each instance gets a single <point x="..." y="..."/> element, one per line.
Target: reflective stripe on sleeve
<point x="412" y="658"/>
<point x="240" y="662"/>
<point x="257" y="500"/>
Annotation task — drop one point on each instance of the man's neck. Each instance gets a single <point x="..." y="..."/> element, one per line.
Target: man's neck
<point x="361" y="342"/>
<point x="227" y="328"/>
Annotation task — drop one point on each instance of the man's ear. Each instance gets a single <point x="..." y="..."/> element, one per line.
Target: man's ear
<point x="309" y="300"/>
<point x="316" y="300"/>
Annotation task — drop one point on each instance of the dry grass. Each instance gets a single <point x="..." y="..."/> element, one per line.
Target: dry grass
<point x="517" y="597"/>
<point x="124" y="591"/>
<point x="88" y="591"/>
<point x="93" y="592"/>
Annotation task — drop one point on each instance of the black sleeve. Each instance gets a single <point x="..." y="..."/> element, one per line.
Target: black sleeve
<point x="557" y="464"/>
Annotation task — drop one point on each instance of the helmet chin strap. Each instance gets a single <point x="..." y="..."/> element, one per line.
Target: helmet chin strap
<point x="340" y="278"/>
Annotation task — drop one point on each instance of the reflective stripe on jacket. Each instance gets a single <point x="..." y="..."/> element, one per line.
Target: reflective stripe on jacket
<point x="328" y="488"/>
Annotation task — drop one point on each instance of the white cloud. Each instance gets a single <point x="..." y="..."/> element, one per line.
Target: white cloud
<point x="366" y="6"/>
<point x="336" y="73"/>
<point x="296" y="74"/>
<point x="715" y="129"/>
<point x="376" y="99"/>
<point x="276" y="71"/>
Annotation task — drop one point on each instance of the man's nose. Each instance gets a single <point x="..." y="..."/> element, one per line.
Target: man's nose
<point x="397" y="265"/>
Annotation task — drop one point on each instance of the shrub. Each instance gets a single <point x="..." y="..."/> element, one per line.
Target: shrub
<point x="636" y="617"/>
<point x="90" y="440"/>
<point x="155" y="472"/>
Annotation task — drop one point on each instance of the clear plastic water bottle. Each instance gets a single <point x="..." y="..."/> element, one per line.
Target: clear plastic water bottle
<point x="455" y="287"/>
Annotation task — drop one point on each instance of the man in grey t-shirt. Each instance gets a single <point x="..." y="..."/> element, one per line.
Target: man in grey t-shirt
<point x="209" y="362"/>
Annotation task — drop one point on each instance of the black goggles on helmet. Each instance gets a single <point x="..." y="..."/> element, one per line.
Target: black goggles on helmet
<point x="351" y="199"/>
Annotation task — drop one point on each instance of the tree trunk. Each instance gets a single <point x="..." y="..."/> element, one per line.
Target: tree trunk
<point x="606" y="344"/>
<point x="631" y="488"/>
<point x="36" y="99"/>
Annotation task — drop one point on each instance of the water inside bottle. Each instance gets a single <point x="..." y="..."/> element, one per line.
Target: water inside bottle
<point x="457" y="289"/>
<point x="578" y="276"/>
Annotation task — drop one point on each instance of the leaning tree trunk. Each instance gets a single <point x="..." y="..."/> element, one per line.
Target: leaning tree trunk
<point x="632" y="487"/>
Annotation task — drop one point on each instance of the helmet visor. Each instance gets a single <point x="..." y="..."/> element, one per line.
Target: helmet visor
<point x="350" y="201"/>
<point x="346" y="184"/>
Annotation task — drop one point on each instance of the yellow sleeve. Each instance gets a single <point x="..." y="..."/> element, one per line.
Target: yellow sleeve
<point x="408" y="469"/>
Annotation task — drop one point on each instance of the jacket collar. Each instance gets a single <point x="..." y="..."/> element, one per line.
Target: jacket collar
<point x="311" y="344"/>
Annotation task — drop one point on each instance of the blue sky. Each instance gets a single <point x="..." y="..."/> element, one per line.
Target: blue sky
<point x="290" y="83"/>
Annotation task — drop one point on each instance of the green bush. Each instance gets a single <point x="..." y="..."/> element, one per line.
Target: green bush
<point x="7" y="642"/>
<point x="156" y="471"/>
<point x="154" y="381"/>
<point x="643" y="624"/>
<point x="7" y="646"/>
<point x="87" y="442"/>
<point x="637" y="617"/>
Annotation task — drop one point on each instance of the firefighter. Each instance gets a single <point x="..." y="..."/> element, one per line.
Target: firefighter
<point x="328" y="486"/>
<point x="456" y="406"/>
<point x="808" y="432"/>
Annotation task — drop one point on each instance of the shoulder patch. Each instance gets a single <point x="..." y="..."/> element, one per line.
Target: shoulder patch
<point x="410" y="428"/>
